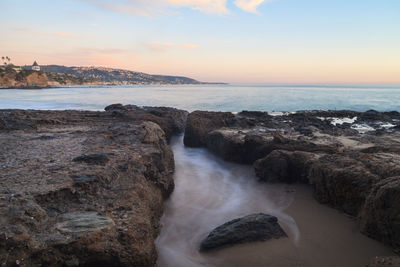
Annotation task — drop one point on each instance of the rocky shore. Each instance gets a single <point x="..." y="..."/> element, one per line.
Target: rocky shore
<point x="84" y="188"/>
<point x="351" y="159"/>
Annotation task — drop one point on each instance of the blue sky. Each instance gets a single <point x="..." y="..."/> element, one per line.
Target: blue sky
<point x="212" y="40"/>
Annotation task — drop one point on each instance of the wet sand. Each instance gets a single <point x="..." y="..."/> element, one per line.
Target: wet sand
<point x="209" y="192"/>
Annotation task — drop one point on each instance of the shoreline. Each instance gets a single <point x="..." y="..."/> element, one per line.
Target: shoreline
<point x="80" y="162"/>
<point x="107" y="85"/>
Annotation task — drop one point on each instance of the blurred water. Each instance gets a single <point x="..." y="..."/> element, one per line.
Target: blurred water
<point x="209" y="192"/>
<point x="211" y="97"/>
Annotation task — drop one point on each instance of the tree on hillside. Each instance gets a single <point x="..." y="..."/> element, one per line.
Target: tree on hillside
<point x="6" y="60"/>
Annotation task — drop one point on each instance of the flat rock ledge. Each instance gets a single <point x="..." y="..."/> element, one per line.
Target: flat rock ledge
<point x="251" y="228"/>
<point x="84" y="188"/>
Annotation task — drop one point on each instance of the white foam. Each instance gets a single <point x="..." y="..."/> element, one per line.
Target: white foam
<point x="362" y="128"/>
<point x="387" y="125"/>
<point x="279" y="113"/>
<point x="338" y="121"/>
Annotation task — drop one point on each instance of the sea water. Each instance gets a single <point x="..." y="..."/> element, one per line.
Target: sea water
<point x="210" y="97"/>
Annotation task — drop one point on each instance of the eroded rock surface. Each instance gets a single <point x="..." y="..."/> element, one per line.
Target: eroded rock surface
<point x="380" y="217"/>
<point x="84" y="188"/>
<point x="351" y="159"/>
<point x="254" y="227"/>
<point x="200" y="123"/>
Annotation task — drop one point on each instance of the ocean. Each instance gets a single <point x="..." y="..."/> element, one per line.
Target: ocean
<point x="210" y="97"/>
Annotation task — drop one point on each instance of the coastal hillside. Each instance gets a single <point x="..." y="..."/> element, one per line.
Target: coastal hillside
<point x="12" y="76"/>
<point x="110" y="76"/>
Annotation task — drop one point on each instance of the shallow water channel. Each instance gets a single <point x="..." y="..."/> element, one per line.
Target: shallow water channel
<point x="209" y="192"/>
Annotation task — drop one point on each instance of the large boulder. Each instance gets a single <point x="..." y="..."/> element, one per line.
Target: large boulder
<point x="236" y="145"/>
<point x="199" y="123"/>
<point x="285" y="166"/>
<point x="380" y="218"/>
<point x="342" y="182"/>
<point x="254" y="227"/>
<point x="171" y="120"/>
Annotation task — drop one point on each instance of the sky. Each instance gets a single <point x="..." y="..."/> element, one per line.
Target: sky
<point x="236" y="41"/>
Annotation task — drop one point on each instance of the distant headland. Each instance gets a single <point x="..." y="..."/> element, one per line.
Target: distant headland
<point x="35" y="76"/>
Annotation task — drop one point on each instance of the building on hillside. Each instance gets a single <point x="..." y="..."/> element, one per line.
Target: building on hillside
<point x="17" y="68"/>
<point x="35" y="66"/>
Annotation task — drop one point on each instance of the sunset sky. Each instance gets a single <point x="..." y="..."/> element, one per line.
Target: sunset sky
<point x="246" y="41"/>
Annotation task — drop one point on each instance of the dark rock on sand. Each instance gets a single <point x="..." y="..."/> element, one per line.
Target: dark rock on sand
<point x="255" y="227"/>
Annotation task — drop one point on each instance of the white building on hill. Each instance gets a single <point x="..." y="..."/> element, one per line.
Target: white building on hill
<point x="35" y="66"/>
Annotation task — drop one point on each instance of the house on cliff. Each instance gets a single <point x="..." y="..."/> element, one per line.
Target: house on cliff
<point x="35" y="66"/>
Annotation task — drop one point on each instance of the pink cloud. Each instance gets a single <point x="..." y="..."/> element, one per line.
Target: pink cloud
<point x="44" y="33"/>
<point x="166" y="46"/>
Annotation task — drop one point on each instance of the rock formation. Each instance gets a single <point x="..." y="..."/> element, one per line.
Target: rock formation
<point x="351" y="169"/>
<point x="84" y="188"/>
<point x="254" y="227"/>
